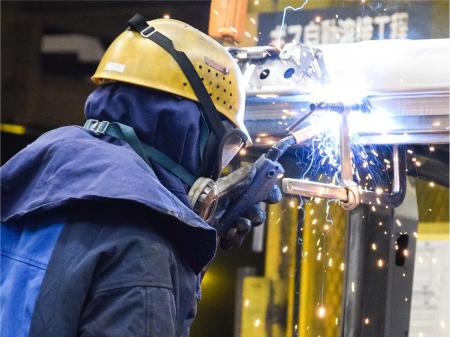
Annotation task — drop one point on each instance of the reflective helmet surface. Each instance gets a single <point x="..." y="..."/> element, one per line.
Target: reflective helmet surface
<point x="137" y="60"/>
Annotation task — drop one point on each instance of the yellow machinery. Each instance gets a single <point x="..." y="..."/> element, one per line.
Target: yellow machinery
<point x="274" y="305"/>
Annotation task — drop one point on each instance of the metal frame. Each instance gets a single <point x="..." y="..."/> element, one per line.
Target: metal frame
<point x="328" y="191"/>
<point x="348" y="192"/>
<point x="374" y="302"/>
<point x="419" y="117"/>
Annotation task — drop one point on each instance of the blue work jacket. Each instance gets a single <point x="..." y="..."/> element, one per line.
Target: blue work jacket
<point x="93" y="244"/>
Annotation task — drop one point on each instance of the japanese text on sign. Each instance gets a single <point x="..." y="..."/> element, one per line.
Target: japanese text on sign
<point x="347" y="30"/>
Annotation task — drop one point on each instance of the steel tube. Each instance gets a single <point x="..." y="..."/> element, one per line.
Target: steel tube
<point x="345" y="150"/>
<point x="395" y="198"/>
<point x="314" y="189"/>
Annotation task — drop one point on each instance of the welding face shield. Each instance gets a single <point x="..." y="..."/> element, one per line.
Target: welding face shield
<point x="204" y="195"/>
<point x="219" y="153"/>
<point x="233" y="142"/>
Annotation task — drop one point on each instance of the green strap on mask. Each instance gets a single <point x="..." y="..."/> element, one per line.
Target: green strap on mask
<point x="127" y="134"/>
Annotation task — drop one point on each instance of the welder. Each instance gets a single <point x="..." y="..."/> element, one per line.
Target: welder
<point x="99" y="236"/>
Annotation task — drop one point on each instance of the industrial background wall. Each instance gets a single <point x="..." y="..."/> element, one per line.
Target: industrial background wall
<point x="51" y="48"/>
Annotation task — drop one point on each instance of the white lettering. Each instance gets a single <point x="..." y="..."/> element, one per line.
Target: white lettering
<point x="330" y="32"/>
<point x="276" y="35"/>
<point x="311" y="33"/>
<point x="399" y="26"/>
<point x="348" y="30"/>
<point x="381" y="21"/>
<point x="364" y="28"/>
<point x="295" y="30"/>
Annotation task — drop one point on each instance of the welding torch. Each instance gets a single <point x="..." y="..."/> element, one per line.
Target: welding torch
<point x="266" y="171"/>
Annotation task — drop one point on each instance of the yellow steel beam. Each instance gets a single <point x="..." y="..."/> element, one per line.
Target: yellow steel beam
<point x="255" y="302"/>
<point x="322" y="269"/>
<point x="13" y="128"/>
<point x="321" y="281"/>
<point x="280" y="254"/>
<point x="292" y="246"/>
<point x="428" y="231"/>
<point x="270" y="293"/>
<point x="273" y="243"/>
<point x="433" y="201"/>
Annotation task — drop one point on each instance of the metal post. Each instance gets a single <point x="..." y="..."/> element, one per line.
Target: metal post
<point x="345" y="150"/>
<point x="380" y="263"/>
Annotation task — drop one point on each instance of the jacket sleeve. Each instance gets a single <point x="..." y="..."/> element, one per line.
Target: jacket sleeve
<point x="139" y="311"/>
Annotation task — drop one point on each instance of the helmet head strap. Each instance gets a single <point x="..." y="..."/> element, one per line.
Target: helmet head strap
<point x="138" y="24"/>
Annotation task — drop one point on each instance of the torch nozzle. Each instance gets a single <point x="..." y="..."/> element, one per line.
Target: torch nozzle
<point x="308" y="132"/>
<point x="280" y="147"/>
<point x="297" y="137"/>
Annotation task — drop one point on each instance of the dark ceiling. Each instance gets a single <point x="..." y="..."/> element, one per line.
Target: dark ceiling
<point x="106" y="18"/>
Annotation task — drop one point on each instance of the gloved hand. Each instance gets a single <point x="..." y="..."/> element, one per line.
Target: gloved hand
<point x="252" y="217"/>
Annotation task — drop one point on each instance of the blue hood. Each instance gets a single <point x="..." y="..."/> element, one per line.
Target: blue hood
<point x="167" y="122"/>
<point x="70" y="164"/>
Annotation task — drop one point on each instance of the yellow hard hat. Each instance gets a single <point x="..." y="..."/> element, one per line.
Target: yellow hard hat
<point x="136" y="60"/>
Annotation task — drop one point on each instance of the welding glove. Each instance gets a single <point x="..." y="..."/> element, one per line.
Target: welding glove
<point x="252" y="217"/>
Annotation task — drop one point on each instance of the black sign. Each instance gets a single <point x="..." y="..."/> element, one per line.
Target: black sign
<point x="352" y="23"/>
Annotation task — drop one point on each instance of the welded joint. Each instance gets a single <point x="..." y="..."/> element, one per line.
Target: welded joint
<point x="353" y="198"/>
